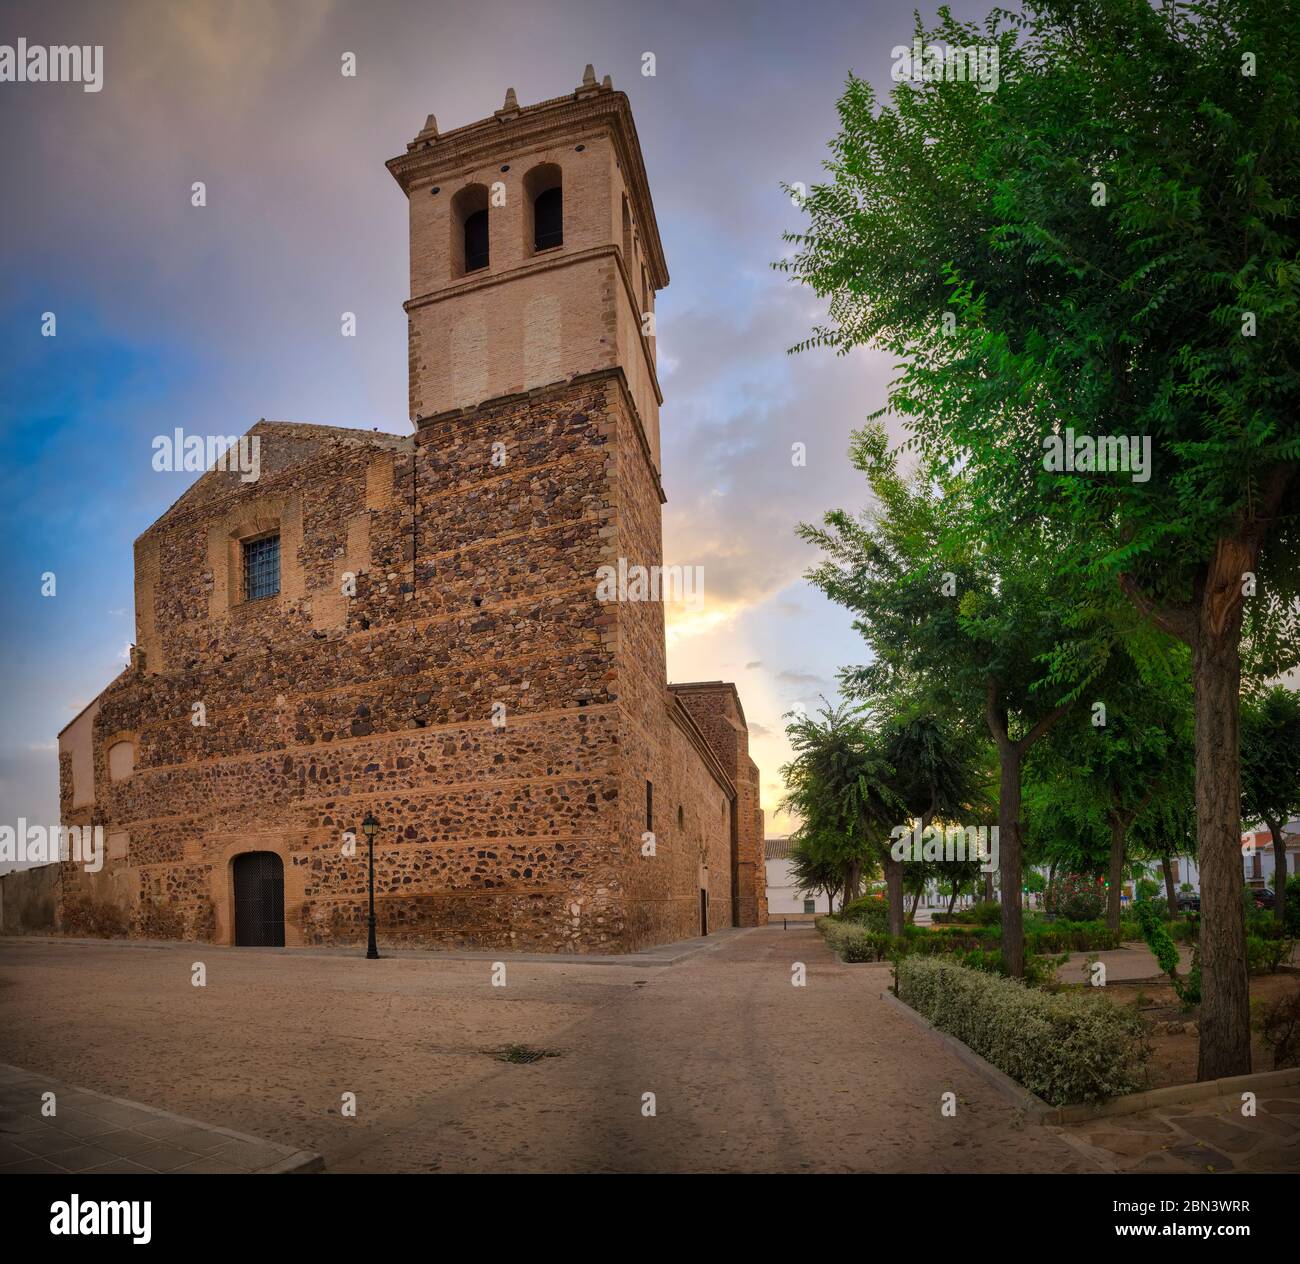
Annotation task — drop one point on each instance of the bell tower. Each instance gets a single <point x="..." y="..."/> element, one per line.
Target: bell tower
<point x="535" y="256"/>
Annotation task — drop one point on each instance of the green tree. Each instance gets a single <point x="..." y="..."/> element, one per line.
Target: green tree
<point x="814" y="866"/>
<point x="992" y="634"/>
<point x="937" y="776"/>
<point x="1105" y="246"/>
<point x="1270" y="772"/>
<point x="838" y="785"/>
<point x="1106" y="765"/>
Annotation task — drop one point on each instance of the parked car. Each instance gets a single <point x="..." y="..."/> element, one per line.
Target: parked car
<point x="1189" y="902"/>
<point x="1264" y="898"/>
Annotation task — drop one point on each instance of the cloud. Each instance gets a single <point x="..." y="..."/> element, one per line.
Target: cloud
<point x="800" y="678"/>
<point x="214" y="317"/>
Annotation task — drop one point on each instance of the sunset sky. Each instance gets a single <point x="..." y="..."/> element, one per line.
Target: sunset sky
<point x="212" y="318"/>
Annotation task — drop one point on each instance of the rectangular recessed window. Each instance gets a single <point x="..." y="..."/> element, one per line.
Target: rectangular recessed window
<point x="261" y="567"/>
<point x="649" y="806"/>
<point x="810" y="906"/>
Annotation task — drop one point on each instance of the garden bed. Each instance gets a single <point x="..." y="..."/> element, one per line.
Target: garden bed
<point x="1078" y="1044"/>
<point x="1173" y="1052"/>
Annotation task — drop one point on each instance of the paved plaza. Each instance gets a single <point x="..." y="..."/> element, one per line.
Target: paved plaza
<point x="420" y="1062"/>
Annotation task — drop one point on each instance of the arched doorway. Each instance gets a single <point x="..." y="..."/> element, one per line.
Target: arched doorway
<point x="259" y="900"/>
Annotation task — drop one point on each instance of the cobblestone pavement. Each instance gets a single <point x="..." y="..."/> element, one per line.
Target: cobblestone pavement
<point x="747" y="1072"/>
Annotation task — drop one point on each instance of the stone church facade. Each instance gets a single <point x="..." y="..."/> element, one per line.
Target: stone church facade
<point x="409" y="626"/>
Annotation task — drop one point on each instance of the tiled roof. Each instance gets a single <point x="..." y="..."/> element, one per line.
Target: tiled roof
<point x="776" y="849"/>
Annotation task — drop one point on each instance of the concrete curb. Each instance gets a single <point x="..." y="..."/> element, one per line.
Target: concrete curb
<point x="289" y="1160"/>
<point x="1181" y="1094"/>
<point x="1130" y="1104"/>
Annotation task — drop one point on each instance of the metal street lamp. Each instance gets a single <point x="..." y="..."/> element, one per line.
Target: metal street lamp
<point x="370" y="827"/>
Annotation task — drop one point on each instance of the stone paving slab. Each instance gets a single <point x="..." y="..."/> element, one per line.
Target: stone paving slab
<point x="1206" y="1136"/>
<point x="92" y="1133"/>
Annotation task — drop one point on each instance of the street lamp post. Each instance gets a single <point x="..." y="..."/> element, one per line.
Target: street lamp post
<point x="370" y="827"/>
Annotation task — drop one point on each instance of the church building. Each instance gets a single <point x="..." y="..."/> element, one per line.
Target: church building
<point x="408" y="628"/>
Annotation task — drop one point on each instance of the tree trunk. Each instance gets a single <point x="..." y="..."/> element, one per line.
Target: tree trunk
<point x="1013" y="927"/>
<point x="952" y="899"/>
<point x="1279" y="872"/>
<point x="852" y="882"/>
<point x="1116" y="872"/>
<point x="894" y="886"/>
<point x="916" y="899"/>
<point x="1170" y="894"/>
<point x="1216" y="665"/>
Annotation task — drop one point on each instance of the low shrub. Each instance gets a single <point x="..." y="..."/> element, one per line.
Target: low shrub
<point x="1182" y="926"/>
<point x="1292" y="911"/>
<point x="1067" y="1046"/>
<point x="985" y="913"/>
<point x="1072" y="937"/>
<point x="1041" y="968"/>
<point x="871" y="911"/>
<point x="931" y="941"/>
<point x="852" y="942"/>
<point x="1183" y="930"/>
<point x="1263" y="956"/>
<point x="986" y="960"/>
<point x="979" y="950"/>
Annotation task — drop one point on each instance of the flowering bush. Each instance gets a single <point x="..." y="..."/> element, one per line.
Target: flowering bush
<point x="1077" y="896"/>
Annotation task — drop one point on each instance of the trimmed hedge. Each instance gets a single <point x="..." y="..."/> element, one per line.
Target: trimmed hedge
<point x="1067" y="1047"/>
<point x="856" y="941"/>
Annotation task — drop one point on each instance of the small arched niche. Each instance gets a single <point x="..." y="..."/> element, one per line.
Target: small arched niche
<point x="121" y="759"/>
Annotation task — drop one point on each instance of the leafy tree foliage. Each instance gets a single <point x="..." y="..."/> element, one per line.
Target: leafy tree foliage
<point x="1106" y="245"/>
<point x="1270" y="772"/>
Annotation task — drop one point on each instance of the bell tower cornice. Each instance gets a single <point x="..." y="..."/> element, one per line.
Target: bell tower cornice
<point x="433" y="157"/>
